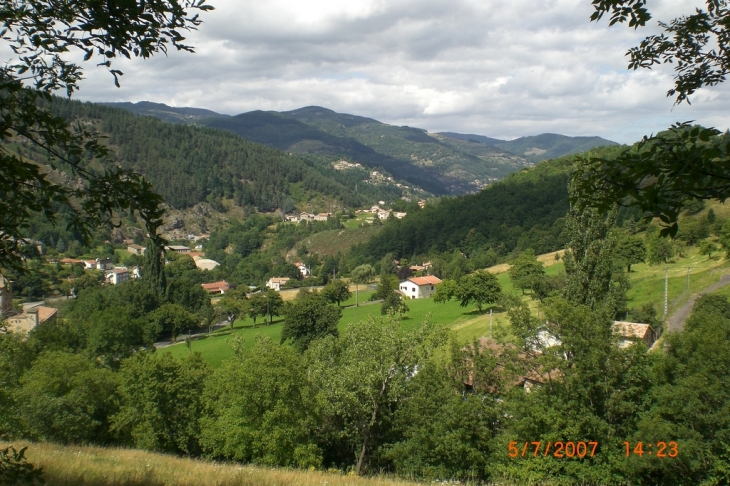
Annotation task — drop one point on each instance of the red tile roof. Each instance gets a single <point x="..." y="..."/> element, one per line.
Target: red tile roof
<point x="427" y="280"/>
<point x="216" y="286"/>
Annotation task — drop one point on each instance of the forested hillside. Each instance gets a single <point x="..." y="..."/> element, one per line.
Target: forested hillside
<point x="523" y="211"/>
<point x="188" y="164"/>
<point x="446" y="163"/>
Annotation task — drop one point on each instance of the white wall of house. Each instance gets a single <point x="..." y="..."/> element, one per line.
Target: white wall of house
<point x="410" y="289"/>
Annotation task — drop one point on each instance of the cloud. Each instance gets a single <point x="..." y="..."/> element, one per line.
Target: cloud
<point x="500" y="68"/>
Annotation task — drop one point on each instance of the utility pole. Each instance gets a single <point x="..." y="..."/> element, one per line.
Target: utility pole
<point x="688" y="279"/>
<point x="666" y="290"/>
<point x="490" y="323"/>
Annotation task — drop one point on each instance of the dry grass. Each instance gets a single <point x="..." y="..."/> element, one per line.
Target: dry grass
<point x="547" y="259"/>
<point x="97" y="466"/>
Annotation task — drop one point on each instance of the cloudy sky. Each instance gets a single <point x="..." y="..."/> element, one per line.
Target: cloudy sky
<point x="501" y="68"/>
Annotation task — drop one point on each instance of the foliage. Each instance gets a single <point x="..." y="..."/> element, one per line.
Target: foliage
<point x="631" y="250"/>
<point x="161" y="402"/>
<point x="66" y="398"/>
<point x="593" y="278"/>
<point x="16" y="357"/>
<point x="266" y="303"/>
<point x="363" y="274"/>
<point x="697" y="44"/>
<point x="536" y="198"/>
<point x="445" y="291"/>
<point x="442" y="432"/>
<point x="708" y="247"/>
<point x="234" y="305"/>
<point x="362" y="374"/>
<point x="336" y="292"/>
<point x="660" y="250"/>
<point x="153" y="271"/>
<point x="659" y="175"/>
<point x="15" y="468"/>
<point x="481" y="288"/>
<point x="527" y="272"/>
<point x="173" y="319"/>
<point x="591" y="389"/>
<point x="689" y="400"/>
<point x="39" y="35"/>
<point x="309" y="318"/>
<point x="259" y="409"/>
<point x="393" y="303"/>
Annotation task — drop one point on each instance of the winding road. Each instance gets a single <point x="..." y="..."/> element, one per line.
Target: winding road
<point x="676" y="321"/>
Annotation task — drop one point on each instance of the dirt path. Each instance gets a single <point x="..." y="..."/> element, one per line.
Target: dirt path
<point x="676" y="321"/>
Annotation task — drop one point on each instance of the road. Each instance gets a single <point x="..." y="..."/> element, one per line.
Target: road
<point x="676" y="321"/>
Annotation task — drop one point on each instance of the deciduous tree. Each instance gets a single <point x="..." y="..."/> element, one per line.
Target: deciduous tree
<point x="41" y="34"/>
<point x="308" y="318"/>
<point x="336" y="292"/>
<point x="480" y="288"/>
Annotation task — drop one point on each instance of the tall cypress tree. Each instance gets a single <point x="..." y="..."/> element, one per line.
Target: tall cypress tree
<point x="594" y="279"/>
<point x="153" y="273"/>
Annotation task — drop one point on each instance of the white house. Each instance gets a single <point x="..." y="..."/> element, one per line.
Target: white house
<point x="302" y="269"/>
<point x="276" y="283"/>
<point x="419" y="287"/>
<point x="117" y="275"/>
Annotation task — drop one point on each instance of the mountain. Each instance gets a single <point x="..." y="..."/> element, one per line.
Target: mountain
<point x="189" y="164"/>
<point x="536" y="148"/>
<point x="440" y="163"/>
<point x="551" y="145"/>
<point x="470" y="137"/>
<point x="166" y="113"/>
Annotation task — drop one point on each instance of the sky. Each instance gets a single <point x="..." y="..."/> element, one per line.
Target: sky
<point x="500" y="68"/>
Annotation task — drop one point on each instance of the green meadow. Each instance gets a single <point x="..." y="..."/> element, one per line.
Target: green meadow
<point x="647" y="286"/>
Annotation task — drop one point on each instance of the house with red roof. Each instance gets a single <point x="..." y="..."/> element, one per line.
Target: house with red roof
<point x="419" y="287"/>
<point x="216" y="287"/>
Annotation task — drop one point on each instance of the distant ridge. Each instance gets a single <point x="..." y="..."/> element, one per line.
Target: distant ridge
<point x="441" y="163"/>
<point x="164" y="112"/>
<point x="470" y="137"/>
<point x="538" y="147"/>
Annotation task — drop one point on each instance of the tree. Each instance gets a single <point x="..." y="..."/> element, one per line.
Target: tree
<point x="172" y="319"/>
<point x="593" y="278"/>
<point x="708" y="247"/>
<point x="40" y="34"/>
<point x="361" y="275"/>
<point x="336" y="292"/>
<point x="631" y="250"/>
<point x="66" y="398"/>
<point x="660" y="250"/>
<point x="161" y="402"/>
<point x="364" y="373"/>
<point x="257" y="306"/>
<point x="308" y="318"/>
<point x="153" y="270"/>
<point x="393" y="304"/>
<point x="260" y="408"/>
<point x="480" y="288"/>
<point x="526" y="271"/>
<point x="445" y="291"/>
<point x="685" y="162"/>
<point x="699" y="47"/>
<point x="266" y="303"/>
<point x="234" y="305"/>
<point x="387" y="285"/>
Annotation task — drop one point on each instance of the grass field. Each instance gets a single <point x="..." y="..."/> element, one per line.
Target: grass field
<point x="647" y="286"/>
<point x="98" y="466"/>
